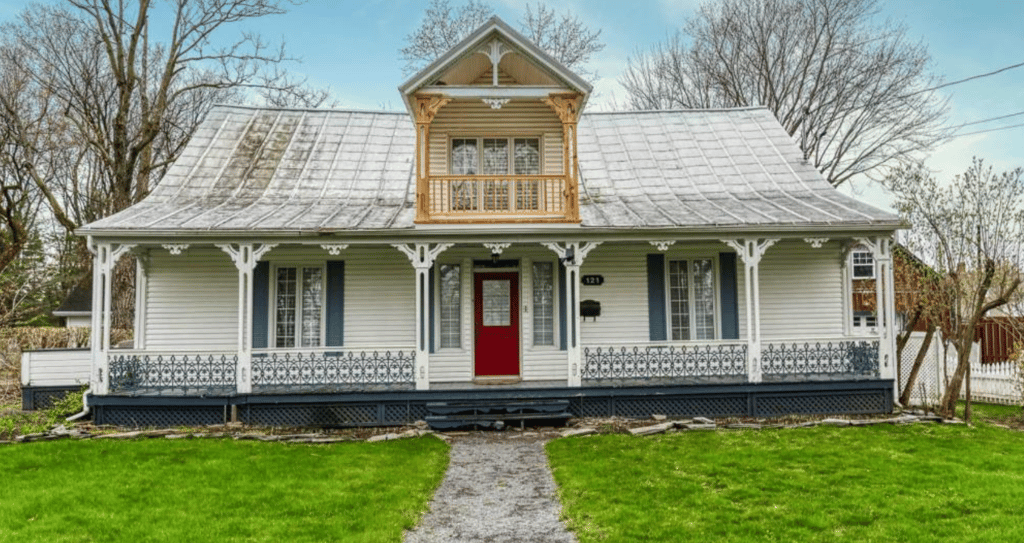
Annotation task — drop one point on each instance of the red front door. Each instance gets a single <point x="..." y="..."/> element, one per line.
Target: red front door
<point x="497" y="324"/>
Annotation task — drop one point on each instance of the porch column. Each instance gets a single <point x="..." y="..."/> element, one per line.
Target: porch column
<point x="105" y="255"/>
<point x="567" y="107"/>
<point x="885" y="303"/>
<point x="750" y="252"/>
<point x="245" y="256"/>
<point x="427" y="106"/>
<point x="422" y="257"/>
<point x="141" y="298"/>
<point x="571" y="255"/>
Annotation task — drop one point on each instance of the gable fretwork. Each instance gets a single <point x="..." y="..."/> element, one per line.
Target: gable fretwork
<point x="496" y="126"/>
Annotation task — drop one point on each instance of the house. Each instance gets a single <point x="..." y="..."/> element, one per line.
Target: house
<point x="493" y="243"/>
<point x="76" y="309"/>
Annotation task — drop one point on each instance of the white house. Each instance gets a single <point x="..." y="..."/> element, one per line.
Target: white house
<point x="493" y="243"/>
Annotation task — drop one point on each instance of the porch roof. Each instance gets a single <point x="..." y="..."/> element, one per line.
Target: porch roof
<point x="286" y="171"/>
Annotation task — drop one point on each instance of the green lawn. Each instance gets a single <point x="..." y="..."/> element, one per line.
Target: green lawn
<point x="216" y="490"/>
<point x="916" y="483"/>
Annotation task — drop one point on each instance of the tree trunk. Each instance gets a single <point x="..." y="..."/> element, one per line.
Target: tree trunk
<point x="948" y="405"/>
<point x="918" y="362"/>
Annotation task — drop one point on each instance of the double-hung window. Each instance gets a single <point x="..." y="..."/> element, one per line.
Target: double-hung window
<point x="543" y="303"/>
<point x="298" y="306"/>
<point x="495" y="157"/>
<point x="693" y="314"/>
<point x="450" y="286"/>
<point x="863" y="265"/>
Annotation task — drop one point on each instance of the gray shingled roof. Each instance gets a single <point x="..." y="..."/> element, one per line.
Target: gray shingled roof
<point x="273" y="170"/>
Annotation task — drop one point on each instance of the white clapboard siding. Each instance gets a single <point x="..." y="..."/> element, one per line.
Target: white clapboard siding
<point x="801" y="291"/>
<point x="465" y="118"/>
<point x="623" y="296"/>
<point x="380" y="291"/>
<point x="192" y="301"/>
<point x="547" y="364"/>
<point x="56" y="367"/>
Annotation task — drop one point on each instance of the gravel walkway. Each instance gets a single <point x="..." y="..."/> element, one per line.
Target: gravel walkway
<point x="498" y="488"/>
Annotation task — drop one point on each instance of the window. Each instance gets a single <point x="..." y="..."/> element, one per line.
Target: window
<point x="863" y="265"/>
<point x="450" y="279"/>
<point x="692" y="299"/>
<point x="543" y="303"/>
<point x="495" y="157"/>
<point x="864" y="319"/>
<point x="298" y="306"/>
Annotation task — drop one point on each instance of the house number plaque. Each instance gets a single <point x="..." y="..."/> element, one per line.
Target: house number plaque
<point x="592" y="280"/>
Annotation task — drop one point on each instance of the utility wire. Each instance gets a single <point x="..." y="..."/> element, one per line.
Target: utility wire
<point x="965" y="80"/>
<point x="989" y="130"/>
<point x="990" y="119"/>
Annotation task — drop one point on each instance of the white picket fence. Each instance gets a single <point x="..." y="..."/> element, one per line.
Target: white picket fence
<point x="992" y="383"/>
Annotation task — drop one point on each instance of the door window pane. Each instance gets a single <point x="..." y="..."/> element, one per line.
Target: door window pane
<point x="451" y="303"/>
<point x="312" y="296"/>
<point x="495" y="157"/>
<point x="496" y="301"/>
<point x="286" y="304"/>
<point x="527" y="156"/>
<point x="692" y="299"/>
<point x="543" y="303"/>
<point x="703" y="298"/>
<point x="298" y="306"/>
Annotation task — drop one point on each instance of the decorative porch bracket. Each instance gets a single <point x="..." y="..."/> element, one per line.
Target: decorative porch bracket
<point x="571" y="255"/>
<point x="422" y="257"/>
<point x="885" y="301"/>
<point x="105" y="257"/>
<point x="245" y="256"/>
<point x="750" y="252"/>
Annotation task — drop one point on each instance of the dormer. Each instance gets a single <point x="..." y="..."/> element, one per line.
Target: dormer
<point x="496" y="132"/>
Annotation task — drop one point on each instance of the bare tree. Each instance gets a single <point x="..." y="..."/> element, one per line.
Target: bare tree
<point x="114" y="98"/>
<point x="564" y="36"/>
<point x="851" y="91"/>
<point x="973" y="230"/>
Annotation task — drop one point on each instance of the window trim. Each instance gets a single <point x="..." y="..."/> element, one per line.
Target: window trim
<point x="854" y="265"/>
<point x="556" y="296"/>
<point x="436" y="286"/>
<point x="716" y="275"/>
<point x="511" y="153"/>
<point x="272" y="305"/>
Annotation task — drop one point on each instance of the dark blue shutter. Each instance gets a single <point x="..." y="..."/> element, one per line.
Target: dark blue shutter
<point x="260" y="304"/>
<point x="335" y="303"/>
<point x="430" y="285"/>
<point x="730" y="303"/>
<point x="562" y="305"/>
<point x="656" y="296"/>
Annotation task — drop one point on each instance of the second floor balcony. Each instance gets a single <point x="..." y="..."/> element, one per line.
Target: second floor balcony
<point x="498" y="198"/>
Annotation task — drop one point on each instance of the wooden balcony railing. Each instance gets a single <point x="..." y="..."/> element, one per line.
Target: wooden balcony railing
<point x="507" y="197"/>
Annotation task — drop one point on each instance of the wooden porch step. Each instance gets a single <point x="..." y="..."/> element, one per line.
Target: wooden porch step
<point x="486" y="413"/>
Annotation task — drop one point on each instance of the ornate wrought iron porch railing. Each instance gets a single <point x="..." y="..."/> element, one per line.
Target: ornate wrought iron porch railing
<point x="816" y="357"/>
<point x="474" y="195"/>
<point x="332" y="367"/>
<point x="652" y="361"/>
<point x="171" y="373"/>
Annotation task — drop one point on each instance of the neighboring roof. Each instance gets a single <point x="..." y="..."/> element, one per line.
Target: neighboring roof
<point x="78" y="302"/>
<point x="289" y="171"/>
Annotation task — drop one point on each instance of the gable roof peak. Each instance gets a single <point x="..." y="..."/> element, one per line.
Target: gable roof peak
<point x="480" y="42"/>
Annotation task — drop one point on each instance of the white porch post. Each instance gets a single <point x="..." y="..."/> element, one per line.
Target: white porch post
<point x="245" y="256"/>
<point x="422" y="257"/>
<point x="571" y="255"/>
<point x="105" y="255"/>
<point x="141" y="298"/>
<point x="750" y="252"/>
<point x="885" y="302"/>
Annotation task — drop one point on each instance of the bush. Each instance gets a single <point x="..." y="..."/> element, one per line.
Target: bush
<point x="15" y="340"/>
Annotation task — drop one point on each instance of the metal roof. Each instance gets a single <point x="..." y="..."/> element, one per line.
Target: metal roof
<point x="286" y="171"/>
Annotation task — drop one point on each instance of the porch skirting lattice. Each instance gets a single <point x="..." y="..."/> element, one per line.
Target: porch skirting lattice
<point x="404" y="407"/>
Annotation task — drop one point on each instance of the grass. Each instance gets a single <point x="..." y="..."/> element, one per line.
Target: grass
<point x="882" y="483"/>
<point x="988" y="412"/>
<point x="216" y="490"/>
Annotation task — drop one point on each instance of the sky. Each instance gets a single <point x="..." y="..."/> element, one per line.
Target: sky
<point x="352" y="47"/>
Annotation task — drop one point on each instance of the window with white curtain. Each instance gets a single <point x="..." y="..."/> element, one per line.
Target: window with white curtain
<point x="692" y="302"/>
<point x="450" y="284"/>
<point x="298" y="306"/>
<point x="543" y="303"/>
